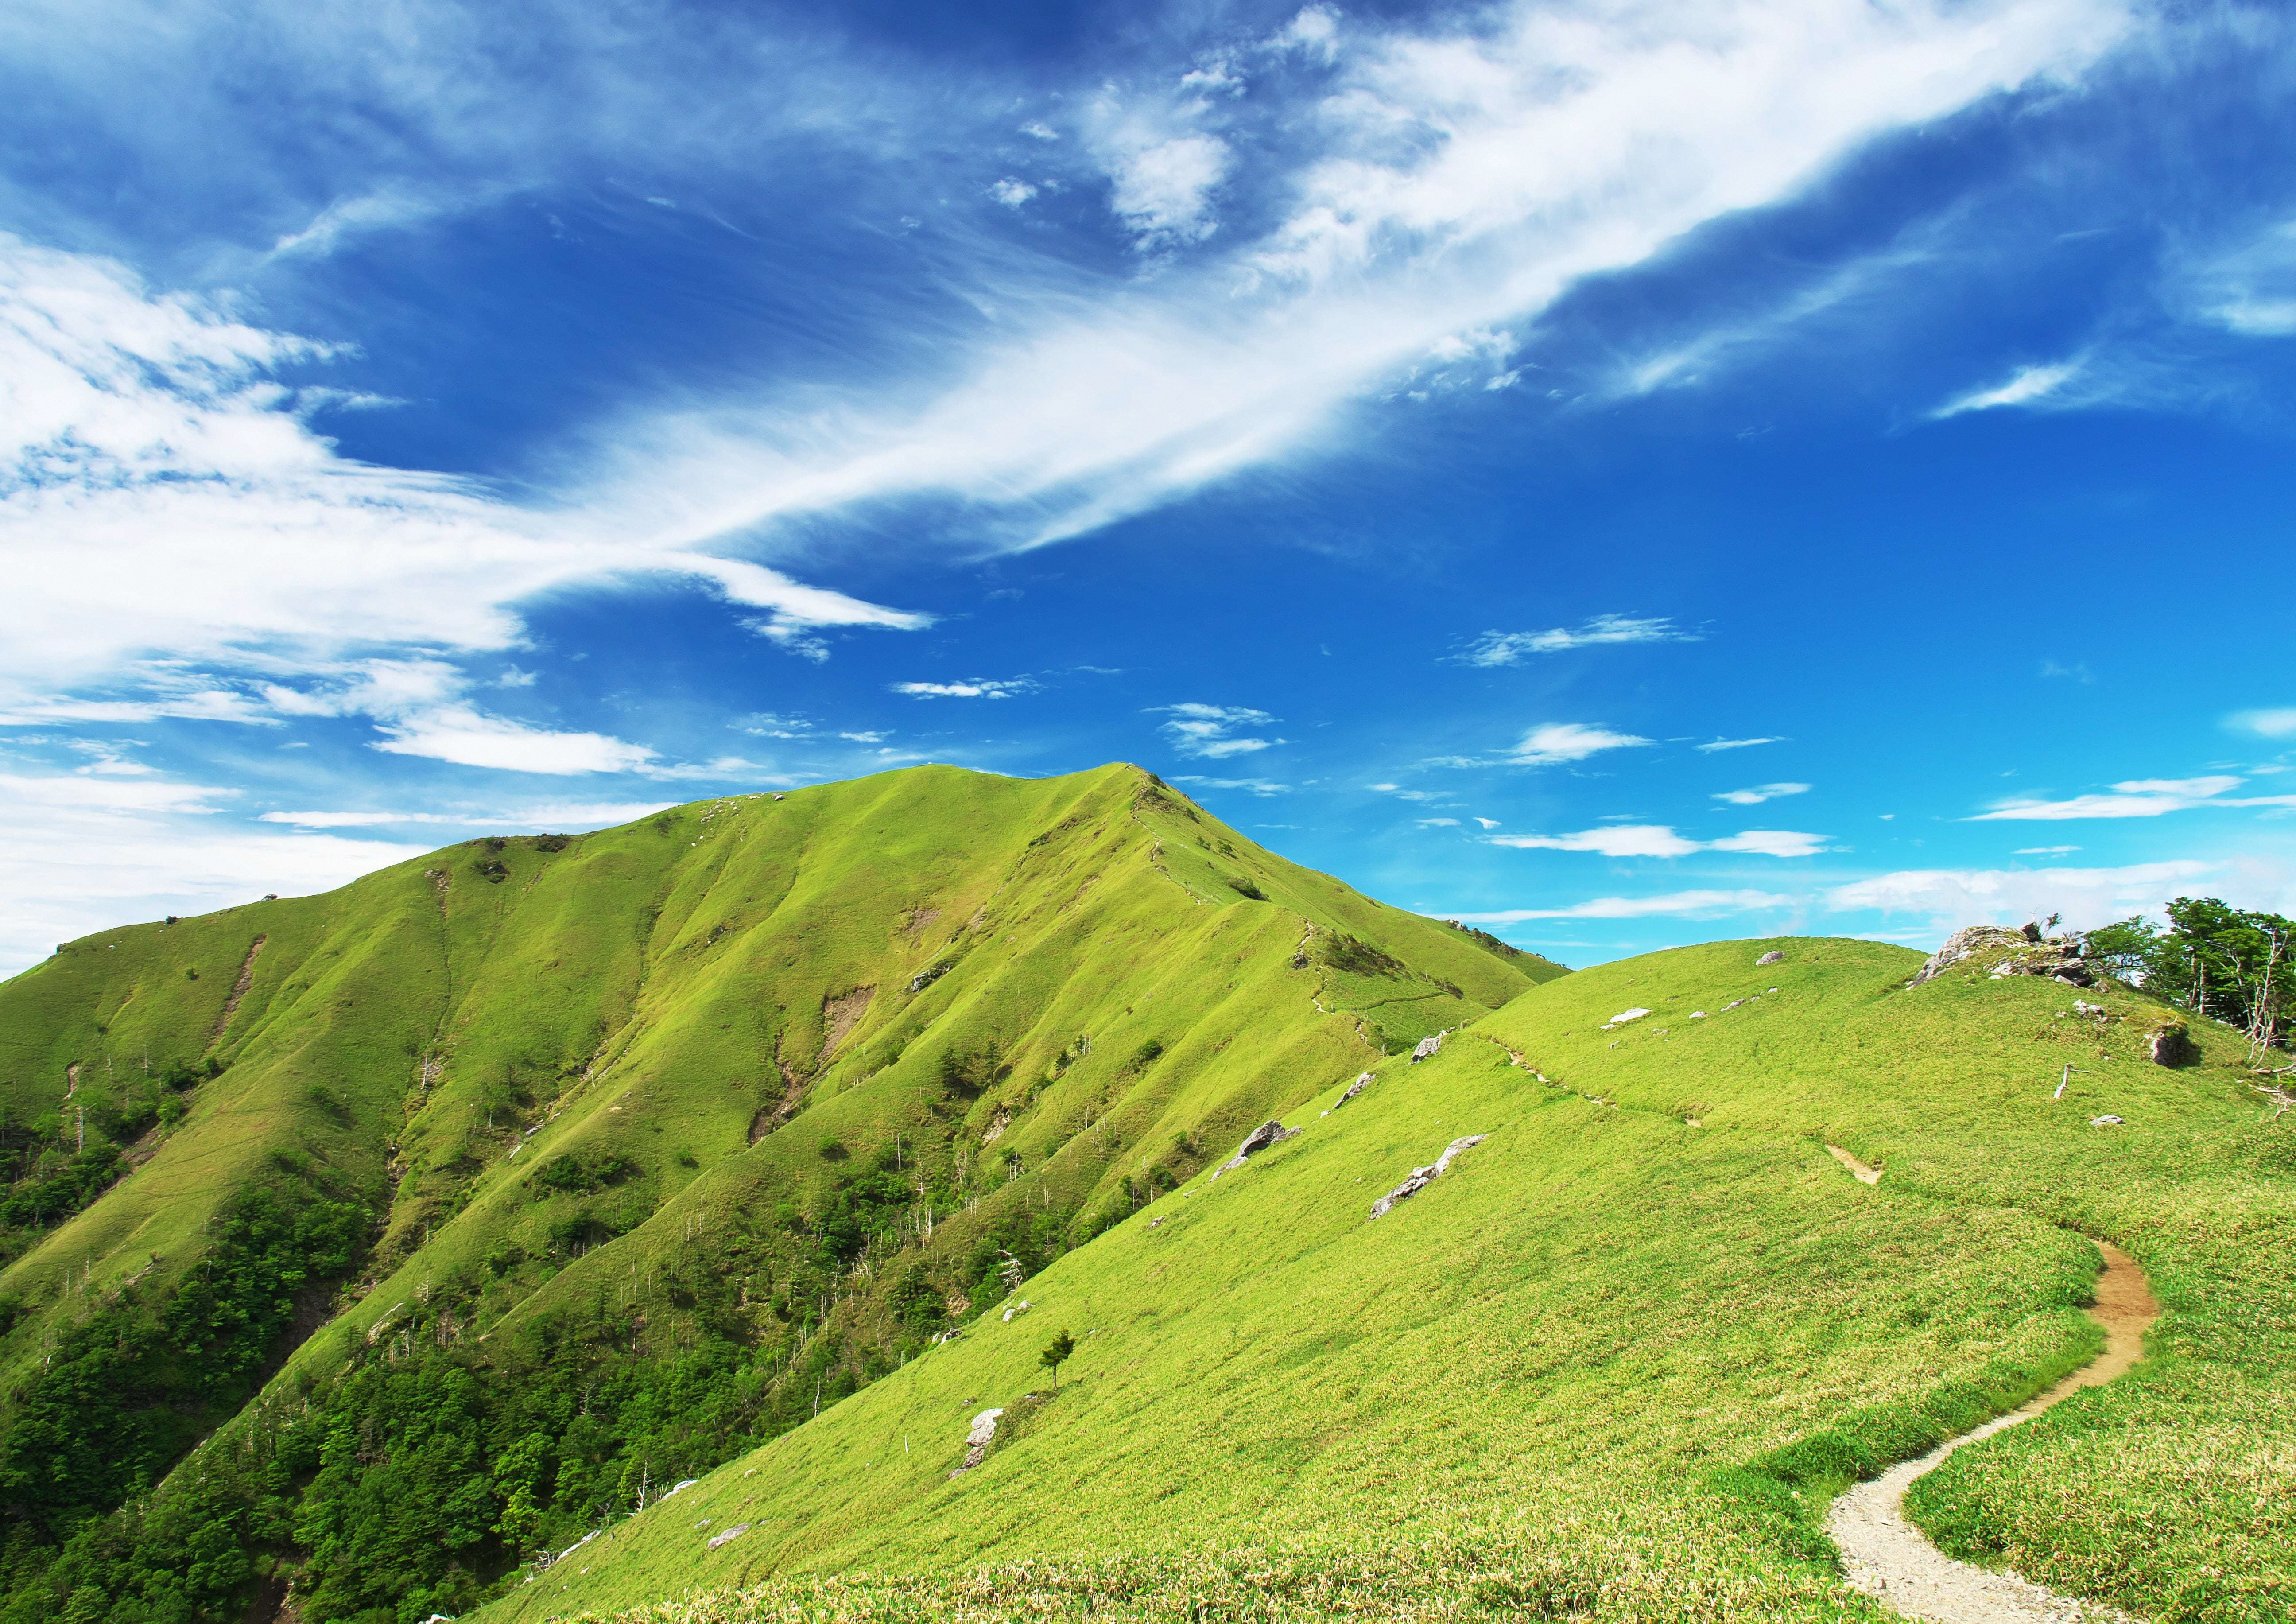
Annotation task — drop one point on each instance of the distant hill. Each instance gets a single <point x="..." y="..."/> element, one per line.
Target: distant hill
<point x="469" y="1207"/>
<point x="1614" y="1361"/>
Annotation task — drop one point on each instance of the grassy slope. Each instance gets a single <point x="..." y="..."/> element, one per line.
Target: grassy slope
<point x="648" y="991"/>
<point x="1531" y="1387"/>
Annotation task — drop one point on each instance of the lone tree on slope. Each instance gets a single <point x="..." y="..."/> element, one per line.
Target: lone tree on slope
<point x="1055" y="1355"/>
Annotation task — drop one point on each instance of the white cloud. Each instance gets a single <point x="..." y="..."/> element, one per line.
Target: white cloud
<point x="971" y="687"/>
<point x="1621" y="841"/>
<point x="1759" y="793"/>
<point x="1658" y="841"/>
<point x="2134" y="798"/>
<point x="1508" y="648"/>
<point x="2086" y="897"/>
<point x="2251" y="289"/>
<point x="1011" y="193"/>
<point x="1448" y="178"/>
<point x="2270" y="724"/>
<point x="2042" y="851"/>
<point x="1256" y="786"/>
<point x="1163" y="193"/>
<point x="2026" y="386"/>
<point x="1553" y="744"/>
<point x="1439" y="823"/>
<point x="1210" y="730"/>
<point x="766" y="725"/>
<point x="1694" y="905"/>
<point x="79" y="854"/>
<point x="1041" y="131"/>
<point x="567" y="816"/>
<point x="389" y="208"/>
<point x="470" y="738"/>
<point x="162" y="498"/>
<point x="1488" y="823"/>
<point x="100" y="793"/>
<point x="165" y="697"/>
<point x="1314" y="31"/>
<point x="1709" y="749"/>
<point x="1771" y="843"/>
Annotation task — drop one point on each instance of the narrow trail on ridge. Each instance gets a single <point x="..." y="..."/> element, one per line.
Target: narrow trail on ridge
<point x="1889" y="1559"/>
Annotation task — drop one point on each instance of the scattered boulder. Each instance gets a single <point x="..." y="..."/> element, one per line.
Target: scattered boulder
<point x="1354" y="1088"/>
<point x="2001" y="952"/>
<point x="1267" y="1133"/>
<point x="2170" y="1044"/>
<point x="1623" y="1016"/>
<point x="738" y="1528"/>
<point x="1772" y="958"/>
<point x="976" y="1441"/>
<point x="2105" y="1121"/>
<point x="1421" y="1178"/>
<point x="926" y="977"/>
<point x="1018" y="1307"/>
<point x="1429" y="1047"/>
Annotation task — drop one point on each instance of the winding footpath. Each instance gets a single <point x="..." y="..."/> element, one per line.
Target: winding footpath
<point x="1888" y="1558"/>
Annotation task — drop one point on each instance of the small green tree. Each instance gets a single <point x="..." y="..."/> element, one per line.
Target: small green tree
<point x="1055" y="1355"/>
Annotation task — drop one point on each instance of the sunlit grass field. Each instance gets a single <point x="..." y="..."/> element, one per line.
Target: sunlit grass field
<point x="1612" y="1365"/>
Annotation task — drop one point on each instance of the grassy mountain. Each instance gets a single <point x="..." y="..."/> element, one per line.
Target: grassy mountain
<point x="1615" y="1361"/>
<point x="463" y="1208"/>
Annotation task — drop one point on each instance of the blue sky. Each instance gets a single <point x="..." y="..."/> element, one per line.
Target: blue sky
<point x="1626" y="471"/>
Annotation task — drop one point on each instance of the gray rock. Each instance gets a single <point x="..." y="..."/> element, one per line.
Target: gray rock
<point x="2105" y="1121"/>
<point x="1428" y="1048"/>
<point x="1354" y="1088"/>
<point x="738" y="1528"/>
<point x="1258" y="1139"/>
<point x="926" y="977"/>
<point x="976" y="1441"/>
<point x="2003" y="953"/>
<point x="1421" y="1178"/>
<point x="1772" y="958"/>
<point x="2172" y="1045"/>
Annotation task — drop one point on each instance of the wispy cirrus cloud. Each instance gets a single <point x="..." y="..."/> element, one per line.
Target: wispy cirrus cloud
<point x="2134" y="798"/>
<point x="1713" y="745"/>
<point x="1761" y="793"/>
<point x="1560" y="744"/>
<point x="2086" y="897"/>
<point x="2025" y="387"/>
<point x="161" y="495"/>
<point x="971" y="687"/>
<point x="1196" y="729"/>
<point x="1387" y="208"/>
<point x="544" y="815"/>
<point x="420" y="706"/>
<point x="1660" y="841"/>
<point x="1256" y="786"/>
<point x="2279" y="723"/>
<point x="1510" y="648"/>
<point x="80" y="851"/>
<point x="1687" y="904"/>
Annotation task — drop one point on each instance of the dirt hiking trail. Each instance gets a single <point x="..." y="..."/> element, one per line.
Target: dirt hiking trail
<point x="1888" y="1558"/>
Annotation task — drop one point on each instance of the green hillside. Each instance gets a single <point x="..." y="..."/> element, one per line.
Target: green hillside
<point x="1614" y="1363"/>
<point x="462" y="1208"/>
